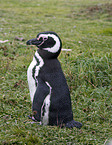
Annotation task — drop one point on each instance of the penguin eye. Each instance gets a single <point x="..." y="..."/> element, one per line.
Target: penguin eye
<point x="41" y="39"/>
<point x="45" y="38"/>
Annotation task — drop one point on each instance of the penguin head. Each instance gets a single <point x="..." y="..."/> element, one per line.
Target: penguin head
<point x="49" y="44"/>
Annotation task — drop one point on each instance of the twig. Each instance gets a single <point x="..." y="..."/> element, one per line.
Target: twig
<point x="3" y="41"/>
<point x="91" y="83"/>
<point x="66" y="49"/>
<point x="105" y="141"/>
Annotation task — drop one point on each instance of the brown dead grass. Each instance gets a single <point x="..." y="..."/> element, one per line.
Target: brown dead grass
<point x="95" y="12"/>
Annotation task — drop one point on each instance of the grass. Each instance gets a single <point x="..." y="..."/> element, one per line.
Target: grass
<point x="86" y="28"/>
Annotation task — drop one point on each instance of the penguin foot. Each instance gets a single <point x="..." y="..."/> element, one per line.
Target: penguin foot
<point x="73" y="123"/>
<point x="34" y="120"/>
<point x="31" y="117"/>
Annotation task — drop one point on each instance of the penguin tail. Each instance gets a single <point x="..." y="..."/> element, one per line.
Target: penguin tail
<point x="73" y="123"/>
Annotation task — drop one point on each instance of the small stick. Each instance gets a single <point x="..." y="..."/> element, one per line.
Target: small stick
<point x="105" y="141"/>
<point x="66" y="49"/>
<point x="3" y="41"/>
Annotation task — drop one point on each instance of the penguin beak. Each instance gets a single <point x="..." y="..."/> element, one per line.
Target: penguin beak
<point x="33" y="42"/>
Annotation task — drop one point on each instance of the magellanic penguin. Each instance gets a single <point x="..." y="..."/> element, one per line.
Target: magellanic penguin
<point x="51" y="102"/>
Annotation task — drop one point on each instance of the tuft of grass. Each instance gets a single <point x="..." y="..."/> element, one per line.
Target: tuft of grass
<point x="106" y="31"/>
<point x="86" y="28"/>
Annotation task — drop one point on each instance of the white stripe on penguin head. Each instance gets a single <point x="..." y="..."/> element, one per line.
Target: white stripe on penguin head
<point x="56" y="47"/>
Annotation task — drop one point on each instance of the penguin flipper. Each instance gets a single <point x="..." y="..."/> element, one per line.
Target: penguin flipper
<point x="73" y="123"/>
<point x="41" y="92"/>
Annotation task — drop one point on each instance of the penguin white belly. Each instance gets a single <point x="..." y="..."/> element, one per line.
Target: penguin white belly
<point x="31" y="80"/>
